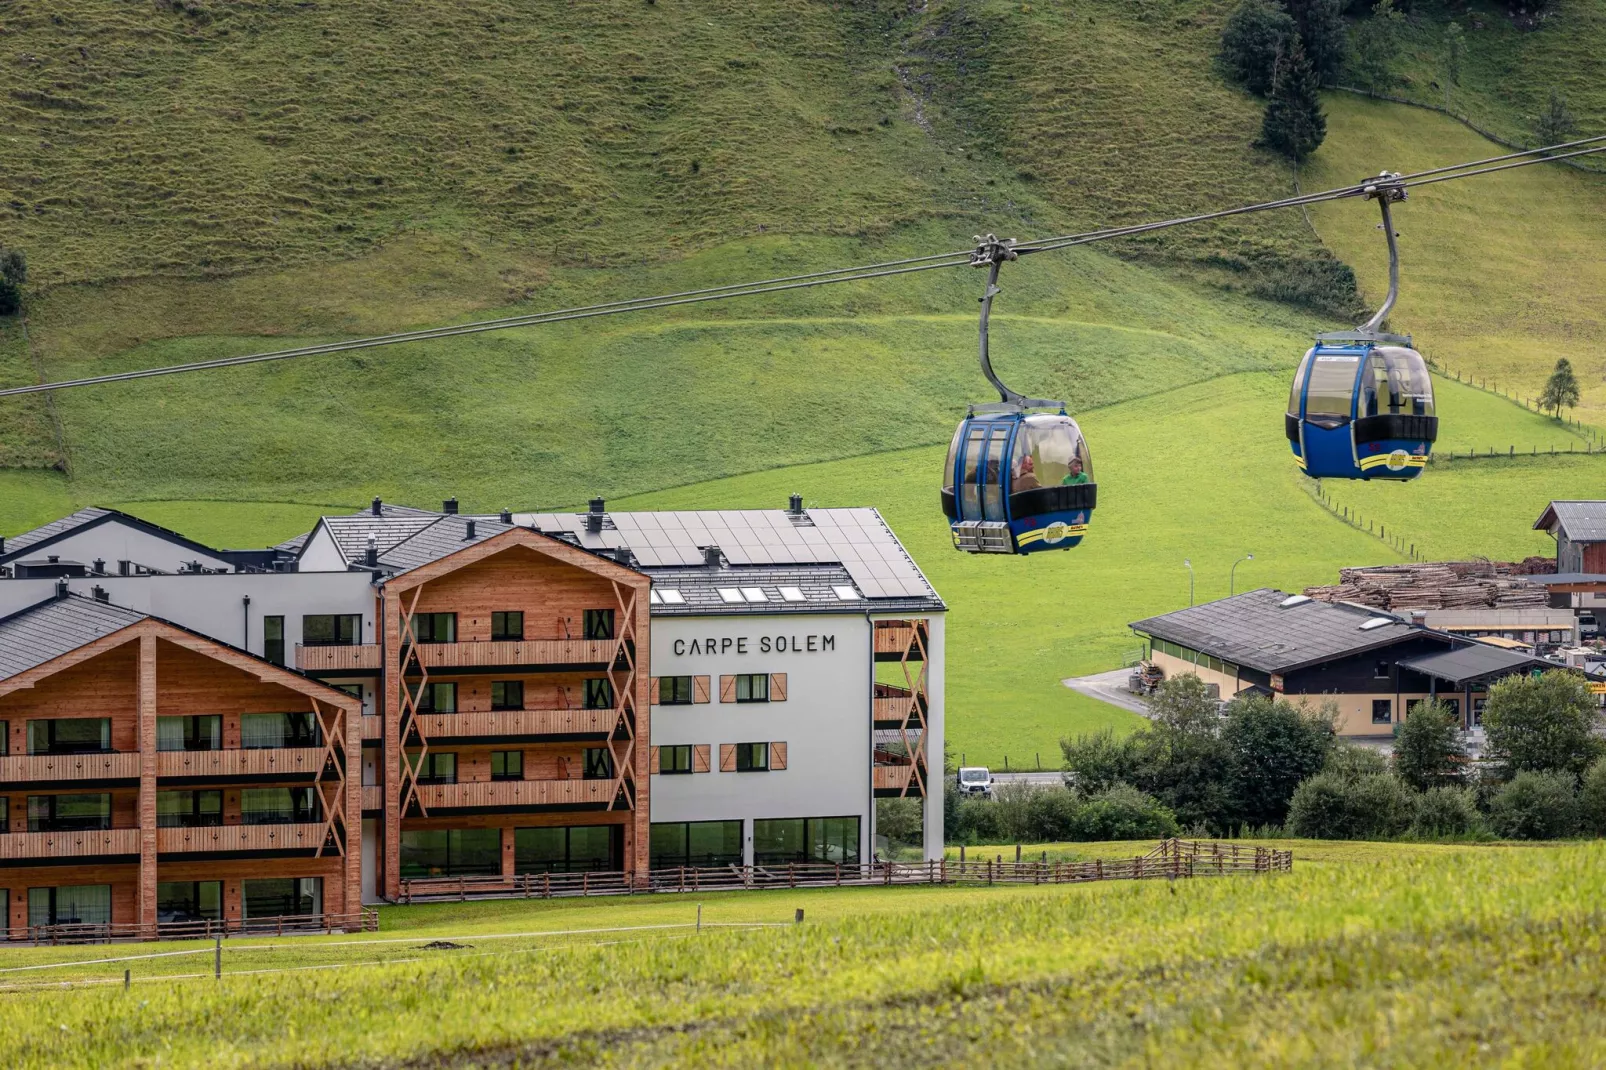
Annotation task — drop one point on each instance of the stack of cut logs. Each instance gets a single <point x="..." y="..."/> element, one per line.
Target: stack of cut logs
<point x="1441" y="585"/>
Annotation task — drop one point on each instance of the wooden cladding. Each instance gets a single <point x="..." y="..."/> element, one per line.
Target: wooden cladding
<point x="373" y="796"/>
<point x="699" y="688"/>
<point x="898" y="638"/>
<point x="727" y="693"/>
<point x="288" y="837"/>
<point x="363" y="657"/>
<point x="20" y="845"/>
<point x="518" y="723"/>
<point x="777" y="687"/>
<point x="297" y="762"/>
<point x="699" y="757"/>
<point x="727" y="757"/>
<point x="23" y="768"/>
<point x="522" y="652"/>
<point x="891" y="777"/>
<point x="495" y="793"/>
<point x="777" y="756"/>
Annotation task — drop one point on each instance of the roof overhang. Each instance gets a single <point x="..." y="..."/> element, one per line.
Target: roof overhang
<point x="557" y="549"/>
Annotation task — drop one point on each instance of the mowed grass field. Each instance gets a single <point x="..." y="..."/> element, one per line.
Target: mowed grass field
<point x="1365" y="954"/>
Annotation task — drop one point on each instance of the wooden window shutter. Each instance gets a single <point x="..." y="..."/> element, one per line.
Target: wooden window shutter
<point x="653" y="766"/>
<point x="777" y="687"/>
<point x="652" y="681"/>
<point x="699" y="689"/>
<point x="727" y="757"/>
<point x="699" y="758"/>
<point x="727" y="689"/>
<point x="777" y="756"/>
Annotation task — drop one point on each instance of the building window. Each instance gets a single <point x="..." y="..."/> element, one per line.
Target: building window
<point x="753" y="687"/>
<point x="69" y="813"/>
<point x="598" y="694"/>
<point x="434" y="627"/>
<point x="674" y="690"/>
<point x="451" y="853"/>
<point x="752" y="757"/>
<point x="598" y="623"/>
<point x="675" y="759"/>
<point x="703" y="844"/>
<point x="259" y="731"/>
<point x="1382" y="711"/>
<point x="507" y="765"/>
<point x="598" y="764"/>
<point x="79" y="904"/>
<point x="507" y="625"/>
<point x="1454" y="704"/>
<point x="437" y="767"/>
<point x="279" y="806"/>
<point x="5" y="738"/>
<point x="813" y="839"/>
<point x="331" y="629"/>
<point x="507" y="694"/>
<point x="1380" y="670"/>
<point x="282" y="897"/>
<point x="1477" y="710"/>
<point x="189" y="900"/>
<point x="437" y="698"/>
<point x="571" y="849"/>
<point x="273" y="640"/>
<point x="70" y="735"/>
<point x="189" y="809"/>
<point x="201" y="732"/>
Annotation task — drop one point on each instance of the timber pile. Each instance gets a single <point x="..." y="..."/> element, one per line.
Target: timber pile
<point x="1440" y="585"/>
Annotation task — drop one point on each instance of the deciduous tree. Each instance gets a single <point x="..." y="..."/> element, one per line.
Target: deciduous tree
<point x="1255" y="30"/>
<point x="1541" y="724"/>
<point x="1430" y="751"/>
<point x="1560" y="389"/>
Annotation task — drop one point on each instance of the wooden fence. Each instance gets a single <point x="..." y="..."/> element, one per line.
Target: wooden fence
<point x="1171" y="860"/>
<point x="364" y="921"/>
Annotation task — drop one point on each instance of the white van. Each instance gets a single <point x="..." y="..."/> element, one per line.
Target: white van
<point x="975" y="780"/>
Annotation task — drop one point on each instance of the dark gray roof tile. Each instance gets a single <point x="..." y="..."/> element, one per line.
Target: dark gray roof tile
<point x="33" y="636"/>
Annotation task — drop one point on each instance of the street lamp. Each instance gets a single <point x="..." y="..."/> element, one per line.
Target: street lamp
<point x="1189" y="566"/>
<point x="1232" y="577"/>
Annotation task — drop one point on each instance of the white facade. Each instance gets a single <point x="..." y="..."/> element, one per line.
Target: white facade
<point x="113" y="540"/>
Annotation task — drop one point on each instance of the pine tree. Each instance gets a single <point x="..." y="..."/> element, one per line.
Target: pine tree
<point x="1323" y="33"/>
<point x="1560" y="389"/>
<point x="13" y="273"/>
<point x="1294" y="124"/>
<point x="1555" y="124"/>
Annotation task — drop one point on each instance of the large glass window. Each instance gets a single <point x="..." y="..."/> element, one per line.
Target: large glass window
<point x="507" y="625"/>
<point x="507" y="694"/>
<point x="189" y="900"/>
<point x="331" y="629"/>
<point x="273" y="640"/>
<point x="434" y="627"/>
<point x="266" y="730"/>
<point x="279" y="897"/>
<point x="69" y="813"/>
<point x="752" y="757"/>
<point x="189" y="809"/>
<point x="1382" y="711"/>
<point x="1332" y="384"/>
<point x="70" y="735"/>
<point x="598" y="693"/>
<point x="813" y="839"/>
<point x="992" y="492"/>
<point x="437" y="698"/>
<point x="1049" y="452"/>
<point x="674" y="690"/>
<point x="696" y="843"/>
<point x="969" y="492"/>
<point x="78" y="904"/>
<point x="598" y="764"/>
<point x="752" y="687"/>
<point x="437" y="767"/>
<point x="674" y="759"/>
<point x="1410" y="387"/>
<point x="279" y="806"/>
<point x="598" y="623"/>
<point x="507" y="765"/>
<point x="567" y="849"/>
<point x="451" y="853"/>
<point x="201" y="732"/>
<point x="1299" y="386"/>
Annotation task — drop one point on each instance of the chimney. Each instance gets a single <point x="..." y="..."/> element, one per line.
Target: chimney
<point x="506" y="516"/>
<point x="100" y="564"/>
<point x="469" y="534"/>
<point x="594" y="517"/>
<point x="122" y="567"/>
<point x="449" y="507"/>
<point x="623" y="555"/>
<point x="376" y="505"/>
<point x="795" y="505"/>
<point x="2" y="544"/>
<point x="53" y="558"/>
<point x="711" y="556"/>
<point x="370" y="556"/>
<point x="100" y="593"/>
<point x="1419" y="618"/>
<point x="61" y="588"/>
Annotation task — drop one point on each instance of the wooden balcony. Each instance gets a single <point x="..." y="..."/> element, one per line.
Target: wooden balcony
<point x="893" y="638"/>
<point x="289" y="762"/>
<point x="299" y="837"/>
<point x="519" y="724"/>
<point x="51" y="768"/>
<point x="526" y="653"/>
<point x="892" y="705"/>
<point x="373" y="727"/>
<point x="23" y="845"/>
<point x="362" y="658"/>
<point x="373" y="797"/>
<point x="490" y="794"/>
<point x="893" y="779"/>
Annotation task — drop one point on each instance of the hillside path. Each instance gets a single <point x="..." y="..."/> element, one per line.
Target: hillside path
<point x="1109" y="687"/>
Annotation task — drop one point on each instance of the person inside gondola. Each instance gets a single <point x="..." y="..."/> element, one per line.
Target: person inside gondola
<point x="1026" y="477"/>
<point x="1075" y="475"/>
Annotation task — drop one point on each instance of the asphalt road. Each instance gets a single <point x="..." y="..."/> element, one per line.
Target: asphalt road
<point x="1109" y="687"/>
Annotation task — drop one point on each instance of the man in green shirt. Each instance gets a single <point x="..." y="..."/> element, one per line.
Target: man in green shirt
<point x="1075" y="475"/>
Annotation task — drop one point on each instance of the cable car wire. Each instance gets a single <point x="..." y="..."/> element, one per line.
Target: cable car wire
<point x="908" y="265"/>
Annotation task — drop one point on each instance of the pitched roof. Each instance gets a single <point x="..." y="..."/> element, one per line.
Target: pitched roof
<point x="1580" y="521"/>
<point x="1468" y="663"/>
<point x="447" y="534"/>
<point x="1275" y="632"/>
<point x="92" y="516"/>
<point x="47" y="630"/>
<point x="700" y="588"/>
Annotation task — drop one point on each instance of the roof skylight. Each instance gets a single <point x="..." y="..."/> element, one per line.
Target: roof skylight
<point x="847" y="594"/>
<point x="730" y="594"/>
<point x="754" y="594"/>
<point x="671" y="597"/>
<point x="1376" y="622"/>
<point x="793" y="594"/>
<point x="1293" y="600"/>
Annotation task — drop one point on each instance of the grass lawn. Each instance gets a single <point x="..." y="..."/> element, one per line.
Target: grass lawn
<point x="1394" y="954"/>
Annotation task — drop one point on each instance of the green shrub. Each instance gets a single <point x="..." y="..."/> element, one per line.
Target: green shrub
<point x="1369" y="807"/>
<point x="1536" y="806"/>
<point x="1050" y="813"/>
<point x="1272" y="745"/>
<point x="1250" y="40"/>
<point x="1447" y="812"/>
<point x="1541" y="724"/>
<point x="1121" y="813"/>
<point x="1352" y="762"/>
<point x="1592" y="799"/>
<point x="1100" y="761"/>
<point x="1429" y="752"/>
<point x="13" y="273"/>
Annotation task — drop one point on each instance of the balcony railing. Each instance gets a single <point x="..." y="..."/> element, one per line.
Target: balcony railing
<point x="25" y="768"/>
<point x="83" y="844"/>
<point x="297" y="837"/>
<point x="493" y="793"/>
<point x="891" y="777"/>
<point x="892" y="705"/>
<point x="520" y="652"/>
<point x="355" y="658"/>
<point x="518" y="723"/>
<point x="289" y="762"/>
<point x="896" y="638"/>
<point x="373" y="797"/>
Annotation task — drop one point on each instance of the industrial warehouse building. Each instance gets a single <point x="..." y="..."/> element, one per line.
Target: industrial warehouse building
<point x="404" y="696"/>
<point x="1372" y="664"/>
